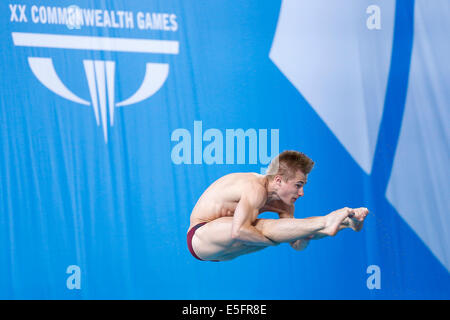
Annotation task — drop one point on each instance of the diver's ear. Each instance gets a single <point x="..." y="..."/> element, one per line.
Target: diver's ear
<point x="278" y="179"/>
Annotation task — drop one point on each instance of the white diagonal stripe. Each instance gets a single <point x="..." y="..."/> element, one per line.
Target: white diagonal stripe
<point x="340" y="67"/>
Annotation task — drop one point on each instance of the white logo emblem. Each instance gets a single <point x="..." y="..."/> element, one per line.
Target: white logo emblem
<point x="99" y="73"/>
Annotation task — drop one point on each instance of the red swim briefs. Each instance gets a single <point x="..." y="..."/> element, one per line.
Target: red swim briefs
<point x="190" y="235"/>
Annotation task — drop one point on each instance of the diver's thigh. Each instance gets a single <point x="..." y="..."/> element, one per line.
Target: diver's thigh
<point x="213" y="241"/>
<point x="217" y="232"/>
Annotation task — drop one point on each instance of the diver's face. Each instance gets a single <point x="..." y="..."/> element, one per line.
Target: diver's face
<point x="289" y="191"/>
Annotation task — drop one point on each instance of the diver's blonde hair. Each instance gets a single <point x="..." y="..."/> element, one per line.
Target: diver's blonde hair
<point x="287" y="163"/>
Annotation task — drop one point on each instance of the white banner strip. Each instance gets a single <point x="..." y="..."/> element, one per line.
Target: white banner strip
<point x="94" y="43"/>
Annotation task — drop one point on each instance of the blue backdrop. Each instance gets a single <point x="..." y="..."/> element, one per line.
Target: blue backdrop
<point x="116" y="116"/>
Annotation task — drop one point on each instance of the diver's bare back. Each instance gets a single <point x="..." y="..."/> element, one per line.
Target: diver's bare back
<point x="222" y="196"/>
